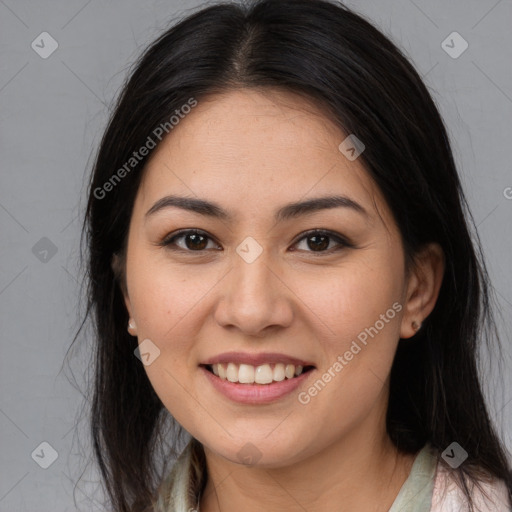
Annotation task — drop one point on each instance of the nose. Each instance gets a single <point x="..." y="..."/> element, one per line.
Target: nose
<point x="255" y="298"/>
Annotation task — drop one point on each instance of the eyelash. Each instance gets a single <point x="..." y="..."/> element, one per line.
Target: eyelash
<point x="168" y="242"/>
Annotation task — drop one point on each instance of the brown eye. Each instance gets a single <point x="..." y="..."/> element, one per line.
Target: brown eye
<point x="319" y="241"/>
<point x="193" y="241"/>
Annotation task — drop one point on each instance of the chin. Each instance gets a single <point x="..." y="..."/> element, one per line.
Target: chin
<point x="258" y="451"/>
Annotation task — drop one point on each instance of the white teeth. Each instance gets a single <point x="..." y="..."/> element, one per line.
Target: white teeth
<point x="232" y="372"/>
<point x="279" y="372"/>
<point x="245" y="374"/>
<point x="263" y="374"/>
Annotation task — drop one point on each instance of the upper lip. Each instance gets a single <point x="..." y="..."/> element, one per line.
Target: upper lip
<point x="255" y="359"/>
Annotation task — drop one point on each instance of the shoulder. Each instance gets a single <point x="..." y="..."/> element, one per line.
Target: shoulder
<point x="448" y="496"/>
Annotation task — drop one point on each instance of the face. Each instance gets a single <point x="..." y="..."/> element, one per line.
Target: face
<point x="261" y="285"/>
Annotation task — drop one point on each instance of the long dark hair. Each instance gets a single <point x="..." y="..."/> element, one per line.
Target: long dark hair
<point x="363" y="82"/>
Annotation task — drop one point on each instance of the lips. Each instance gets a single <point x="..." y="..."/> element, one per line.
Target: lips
<point x="254" y="379"/>
<point x="255" y="394"/>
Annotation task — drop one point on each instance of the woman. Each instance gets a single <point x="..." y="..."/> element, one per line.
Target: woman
<point x="280" y="266"/>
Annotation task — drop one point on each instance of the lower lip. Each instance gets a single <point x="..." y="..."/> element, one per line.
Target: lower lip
<point x="254" y="394"/>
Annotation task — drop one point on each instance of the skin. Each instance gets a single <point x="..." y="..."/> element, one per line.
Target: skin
<point x="252" y="152"/>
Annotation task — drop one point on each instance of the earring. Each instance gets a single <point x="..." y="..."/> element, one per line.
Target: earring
<point x="131" y="327"/>
<point x="416" y="325"/>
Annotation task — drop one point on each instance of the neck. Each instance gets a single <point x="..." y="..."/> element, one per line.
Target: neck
<point x="330" y="480"/>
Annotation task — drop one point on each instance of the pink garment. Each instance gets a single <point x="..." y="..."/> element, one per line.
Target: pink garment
<point x="448" y="497"/>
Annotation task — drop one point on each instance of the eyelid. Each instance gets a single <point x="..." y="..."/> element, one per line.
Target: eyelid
<point x="167" y="241"/>
<point x="342" y="241"/>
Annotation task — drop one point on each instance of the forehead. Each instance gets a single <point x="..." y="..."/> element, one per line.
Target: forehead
<point x="250" y="148"/>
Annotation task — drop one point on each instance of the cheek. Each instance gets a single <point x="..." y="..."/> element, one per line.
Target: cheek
<point x="171" y="307"/>
<point x="347" y="302"/>
<point x="356" y="361"/>
<point x="161" y="294"/>
<point x="358" y="309"/>
<point x="167" y="306"/>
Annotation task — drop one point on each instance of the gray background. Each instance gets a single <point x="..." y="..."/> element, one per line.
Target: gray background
<point x="53" y="112"/>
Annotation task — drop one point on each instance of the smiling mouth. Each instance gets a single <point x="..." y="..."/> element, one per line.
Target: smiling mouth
<point x="264" y="374"/>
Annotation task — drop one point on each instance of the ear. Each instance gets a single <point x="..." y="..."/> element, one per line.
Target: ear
<point x="118" y="267"/>
<point x="423" y="285"/>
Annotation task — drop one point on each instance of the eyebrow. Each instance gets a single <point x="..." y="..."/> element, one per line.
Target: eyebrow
<point x="286" y="212"/>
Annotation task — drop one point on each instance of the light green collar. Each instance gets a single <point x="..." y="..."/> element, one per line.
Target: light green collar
<point x="416" y="493"/>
